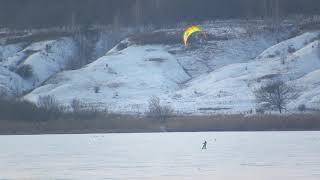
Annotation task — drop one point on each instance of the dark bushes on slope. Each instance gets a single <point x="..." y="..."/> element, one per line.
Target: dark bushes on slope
<point x="25" y="71"/>
<point x="156" y="38"/>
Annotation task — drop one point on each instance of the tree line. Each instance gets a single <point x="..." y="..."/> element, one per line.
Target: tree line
<point x="46" y="13"/>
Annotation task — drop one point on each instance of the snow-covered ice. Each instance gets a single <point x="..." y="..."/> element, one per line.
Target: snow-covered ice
<point x="230" y="155"/>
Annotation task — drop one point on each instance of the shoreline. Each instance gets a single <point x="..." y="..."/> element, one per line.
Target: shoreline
<point x="141" y="132"/>
<point x="133" y="124"/>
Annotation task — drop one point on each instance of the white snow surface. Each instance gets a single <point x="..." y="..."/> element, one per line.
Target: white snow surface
<point x="217" y="77"/>
<point x="125" y="79"/>
<point x="231" y="88"/>
<point x="46" y="59"/>
<point x="162" y="156"/>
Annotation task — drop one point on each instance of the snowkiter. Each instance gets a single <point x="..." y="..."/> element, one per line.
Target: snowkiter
<point x="204" y="145"/>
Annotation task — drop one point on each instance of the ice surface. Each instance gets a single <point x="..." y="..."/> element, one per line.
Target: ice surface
<point x="230" y="155"/>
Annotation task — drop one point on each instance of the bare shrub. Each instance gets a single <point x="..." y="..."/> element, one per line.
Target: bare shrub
<point x="25" y="71"/>
<point x="277" y="53"/>
<point x="115" y="85"/>
<point x="3" y="94"/>
<point x="271" y="56"/>
<point x="318" y="48"/>
<point x="50" y="108"/>
<point x="157" y="111"/>
<point x="156" y="38"/>
<point x="122" y="45"/>
<point x="90" y="111"/>
<point x="302" y="107"/>
<point x="291" y="49"/>
<point x="76" y="105"/>
<point x="275" y="95"/>
<point x="96" y="89"/>
<point x="73" y="63"/>
<point x="283" y="60"/>
<point x="251" y="29"/>
<point x="47" y="102"/>
<point x="160" y="60"/>
<point x="13" y="109"/>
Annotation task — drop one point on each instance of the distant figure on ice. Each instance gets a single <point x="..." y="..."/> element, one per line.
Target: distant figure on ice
<point x="204" y="145"/>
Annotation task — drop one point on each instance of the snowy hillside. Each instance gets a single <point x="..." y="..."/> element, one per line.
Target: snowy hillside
<point x="231" y="88"/>
<point x="122" y="80"/>
<point x="26" y="66"/>
<point x="218" y="76"/>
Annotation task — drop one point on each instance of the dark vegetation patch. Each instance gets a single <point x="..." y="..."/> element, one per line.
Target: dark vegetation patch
<point x="291" y="49"/>
<point x="46" y="109"/>
<point x="268" y="77"/>
<point x="310" y="26"/>
<point x="174" y="52"/>
<point x="156" y="60"/>
<point x="156" y="38"/>
<point x="213" y="109"/>
<point x="36" y="37"/>
<point x="22" y="117"/>
<point x="117" y="123"/>
<point x="29" y="52"/>
<point x="25" y="71"/>
<point x="213" y="37"/>
<point x="271" y="56"/>
<point x="121" y="46"/>
<point x="151" y="50"/>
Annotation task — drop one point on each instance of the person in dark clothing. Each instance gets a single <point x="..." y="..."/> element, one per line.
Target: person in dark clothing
<point x="204" y="145"/>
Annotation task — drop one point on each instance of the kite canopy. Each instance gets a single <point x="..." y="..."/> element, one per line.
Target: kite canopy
<point x="188" y="32"/>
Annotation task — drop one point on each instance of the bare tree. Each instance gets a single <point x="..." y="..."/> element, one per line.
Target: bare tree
<point x="1" y="55"/>
<point x="48" y="103"/>
<point x="116" y="24"/>
<point x="3" y="94"/>
<point x="271" y="12"/>
<point x="302" y="108"/>
<point x="137" y="12"/>
<point x="275" y="95"/>
<point x="96" y="89"/>
<point x="76" y="105"/>
<point x="157" y="111"/>
<point x="318" y="48"/>
<point x="275" y="14"/>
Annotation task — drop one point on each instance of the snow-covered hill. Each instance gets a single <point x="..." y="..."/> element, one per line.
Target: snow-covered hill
<point x="44" y="59"/>
<point x="230" y="89"/>
<point x="121" y="80"/>
<point x="218" y="76"/>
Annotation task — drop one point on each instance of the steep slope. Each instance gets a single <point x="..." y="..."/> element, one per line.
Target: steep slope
<point x="42" y="59"/>
<point x="122" y="81"/>
<point x="230" y="89"/>
<point x="289" y="46"/>
<point x="219" y="76"/>
<point x="310" y="87"/>
<point x="7" y="51"/>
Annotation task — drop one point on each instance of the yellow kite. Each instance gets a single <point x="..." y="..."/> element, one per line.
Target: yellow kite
<point x="188" y="32"/>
